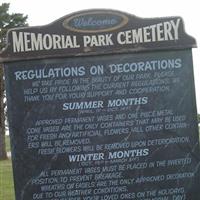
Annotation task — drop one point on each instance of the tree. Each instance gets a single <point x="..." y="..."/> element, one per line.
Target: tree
<point x="7" y="21"/>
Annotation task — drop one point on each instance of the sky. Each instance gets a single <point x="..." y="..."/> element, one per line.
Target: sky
<point x="42" y="12"/>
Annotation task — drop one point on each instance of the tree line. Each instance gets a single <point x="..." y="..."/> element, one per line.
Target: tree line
<point x="7" y="21"/>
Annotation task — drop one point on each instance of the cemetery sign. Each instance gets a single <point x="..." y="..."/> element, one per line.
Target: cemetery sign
<point x="102" y="106"/>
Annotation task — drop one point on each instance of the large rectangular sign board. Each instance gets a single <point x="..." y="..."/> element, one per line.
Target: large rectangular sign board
<point x="96" y="121"/>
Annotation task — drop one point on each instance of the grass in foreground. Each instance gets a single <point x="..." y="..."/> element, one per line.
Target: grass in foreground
<point x="6" y="180"/>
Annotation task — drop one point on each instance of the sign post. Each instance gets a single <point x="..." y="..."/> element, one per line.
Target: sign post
<point x="102" y="106"/>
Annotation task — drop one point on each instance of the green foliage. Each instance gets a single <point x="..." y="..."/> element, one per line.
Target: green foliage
<point x="8" y="21"/>
<point x="198" y="118"/>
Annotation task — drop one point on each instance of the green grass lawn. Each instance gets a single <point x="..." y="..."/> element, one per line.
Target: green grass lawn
<point x="6" y="180"/>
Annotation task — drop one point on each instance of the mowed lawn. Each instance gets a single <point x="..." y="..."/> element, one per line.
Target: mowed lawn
<point x="6" y="177"/>
<point x="6" y="180"/>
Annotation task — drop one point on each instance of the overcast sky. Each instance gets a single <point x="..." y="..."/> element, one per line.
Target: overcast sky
<point x="41" y="12"/>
